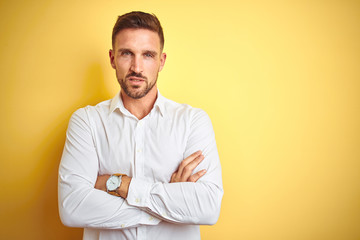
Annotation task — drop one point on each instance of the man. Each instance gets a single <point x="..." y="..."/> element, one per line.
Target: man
<point x="139" y="166"/>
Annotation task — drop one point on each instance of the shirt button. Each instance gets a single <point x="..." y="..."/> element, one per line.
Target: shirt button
<point x="138" y="150"/>
<point x="151" y="218"/>
<point x="122" y="225"/>
<point x="137" y="200"/>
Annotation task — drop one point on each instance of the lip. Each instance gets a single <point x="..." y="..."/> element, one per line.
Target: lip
<point x="136" y="80"/>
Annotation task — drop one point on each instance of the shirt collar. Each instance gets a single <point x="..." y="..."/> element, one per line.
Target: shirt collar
<point x="117" y="103"/>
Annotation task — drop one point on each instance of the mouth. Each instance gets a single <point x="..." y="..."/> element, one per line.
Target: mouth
<point x="136" y="80"/>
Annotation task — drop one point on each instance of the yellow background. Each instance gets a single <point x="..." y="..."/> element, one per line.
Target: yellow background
<point x="279" y="79"/>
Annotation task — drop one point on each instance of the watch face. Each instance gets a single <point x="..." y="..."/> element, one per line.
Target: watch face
<point x="112" y="183"/>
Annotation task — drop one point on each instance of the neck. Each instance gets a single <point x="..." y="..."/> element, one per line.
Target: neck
<point x="140" y="108"/>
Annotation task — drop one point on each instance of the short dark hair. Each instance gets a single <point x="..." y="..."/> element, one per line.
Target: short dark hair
<point x="138" y="20"/>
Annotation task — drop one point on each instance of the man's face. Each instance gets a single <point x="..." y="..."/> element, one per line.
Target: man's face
<point x="137" y="59"/>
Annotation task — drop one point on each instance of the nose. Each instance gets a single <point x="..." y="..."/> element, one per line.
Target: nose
<point x="136" y="64"/>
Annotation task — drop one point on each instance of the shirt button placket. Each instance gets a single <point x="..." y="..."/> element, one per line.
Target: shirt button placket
<point x="139" y="163"/>
<point x="141" y="233"/>
<point x="139" y="149"/>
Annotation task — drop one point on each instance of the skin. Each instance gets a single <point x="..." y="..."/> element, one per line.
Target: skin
<point x="137" y="58"/>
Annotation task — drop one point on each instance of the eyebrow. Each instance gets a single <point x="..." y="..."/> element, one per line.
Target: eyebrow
<point x="124" y="49"/>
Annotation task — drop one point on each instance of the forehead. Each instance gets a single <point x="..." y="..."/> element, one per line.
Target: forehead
<point x="137" y="39"/>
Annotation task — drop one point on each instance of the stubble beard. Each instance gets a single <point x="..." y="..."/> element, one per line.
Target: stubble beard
<point x="132" y="92"/>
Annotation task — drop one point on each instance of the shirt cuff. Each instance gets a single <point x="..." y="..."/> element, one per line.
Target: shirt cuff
<point x="138" y="193"/>
<point x="138" y="196"/>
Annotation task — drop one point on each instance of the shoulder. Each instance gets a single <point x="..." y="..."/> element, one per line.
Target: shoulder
<point x="85" y="114"/>
<point x="100" y="108"/>
<point x="186" y="112"/>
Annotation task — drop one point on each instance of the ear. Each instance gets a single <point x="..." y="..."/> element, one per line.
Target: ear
<point x="112" y="58"/>
<point x="162" y="61"/>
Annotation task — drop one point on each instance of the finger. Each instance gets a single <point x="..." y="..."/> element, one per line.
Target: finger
<point x="189" y="169"/>
<point x="173" y="176"/>
<point x="196" y="176"/>
<point x="187" y="160"/>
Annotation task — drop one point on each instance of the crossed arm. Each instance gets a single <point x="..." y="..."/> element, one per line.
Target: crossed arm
<point x="187" y="199"/>
<point x="183" y="174"/>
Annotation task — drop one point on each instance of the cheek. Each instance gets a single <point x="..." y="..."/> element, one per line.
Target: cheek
<point x="122" y="66"/>
<point x="153" y="67"/>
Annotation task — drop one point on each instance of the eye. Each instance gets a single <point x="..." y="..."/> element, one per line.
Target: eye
<point x="125" y="53"/>
<point x="150" y="55"/>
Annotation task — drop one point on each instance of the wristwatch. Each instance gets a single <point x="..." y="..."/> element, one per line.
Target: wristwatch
<point x="113" y="183"/>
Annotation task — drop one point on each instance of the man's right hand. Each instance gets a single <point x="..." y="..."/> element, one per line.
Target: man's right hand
<point x="186" y="168"/>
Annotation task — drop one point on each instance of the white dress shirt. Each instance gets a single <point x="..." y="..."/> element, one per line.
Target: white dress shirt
<point x="108" y="139"/>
